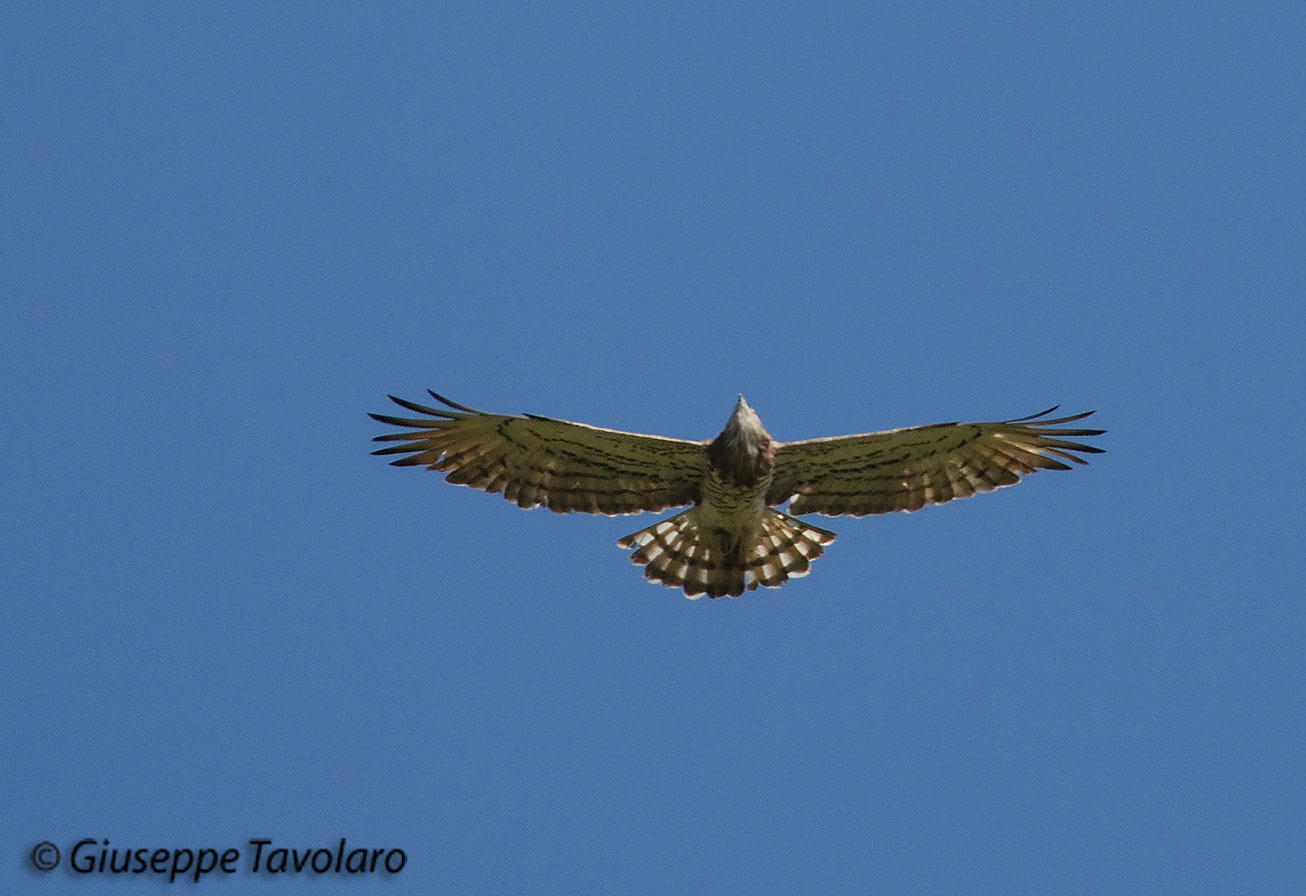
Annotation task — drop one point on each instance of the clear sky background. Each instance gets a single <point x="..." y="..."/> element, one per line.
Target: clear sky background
<point x="227" y="232"/>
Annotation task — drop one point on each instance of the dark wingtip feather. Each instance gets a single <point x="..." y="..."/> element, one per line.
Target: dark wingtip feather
<point x="1035" y="416"/>
<point x="419" y="408"/>
<point x="405" y="448"/>
<point x="1037" y="419"/>
<point x="453" y="404"/>
<point x="389" y="420"/>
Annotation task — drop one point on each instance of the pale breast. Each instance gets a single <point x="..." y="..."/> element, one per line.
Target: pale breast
<point x="731" y="506"/>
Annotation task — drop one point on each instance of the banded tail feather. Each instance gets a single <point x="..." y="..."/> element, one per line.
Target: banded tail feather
<point x="678" y="552"/>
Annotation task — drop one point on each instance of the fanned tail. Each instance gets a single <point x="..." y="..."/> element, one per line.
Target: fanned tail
<point x="680" y="554"/>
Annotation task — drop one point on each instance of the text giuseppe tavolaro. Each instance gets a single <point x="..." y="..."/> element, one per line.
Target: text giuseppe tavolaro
<point x="91" y="856"/>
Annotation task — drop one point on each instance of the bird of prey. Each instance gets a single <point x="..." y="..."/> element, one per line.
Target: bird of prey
<point x="733" y="537"/>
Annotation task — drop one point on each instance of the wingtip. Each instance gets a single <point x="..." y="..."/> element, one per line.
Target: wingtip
<point x="453" y="404"/>
<point x="1042" y="419"/>
<point x="1029" y="417"/>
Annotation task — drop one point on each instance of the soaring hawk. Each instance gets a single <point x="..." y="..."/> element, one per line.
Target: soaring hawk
<point x="733" y="538"/>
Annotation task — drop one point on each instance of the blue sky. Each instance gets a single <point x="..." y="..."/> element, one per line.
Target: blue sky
<point x="227" y="233"/>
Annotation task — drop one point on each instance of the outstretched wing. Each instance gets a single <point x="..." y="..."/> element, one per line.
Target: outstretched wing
<point x="905" y="469"/>
<point x="539" y="461"/>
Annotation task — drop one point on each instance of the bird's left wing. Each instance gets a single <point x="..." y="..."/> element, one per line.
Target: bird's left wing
<point x="539" y="461"/>
<point x="905" y="469"/>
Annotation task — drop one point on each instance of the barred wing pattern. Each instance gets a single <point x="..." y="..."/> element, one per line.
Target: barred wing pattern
<point x="538" y="461"/>
<point x="905" y="469"/>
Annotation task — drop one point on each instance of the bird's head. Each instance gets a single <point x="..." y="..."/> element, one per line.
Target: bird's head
<point x="744" y="418"/>
<point x="744" y="450"/>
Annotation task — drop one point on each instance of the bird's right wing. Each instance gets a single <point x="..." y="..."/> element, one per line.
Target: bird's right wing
<point x="905" y="469"/>
<point x="538" y="461"/>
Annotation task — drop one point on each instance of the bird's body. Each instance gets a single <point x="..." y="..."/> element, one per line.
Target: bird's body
<point x="733" y="538"/>
<point x="733" y="495"/>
